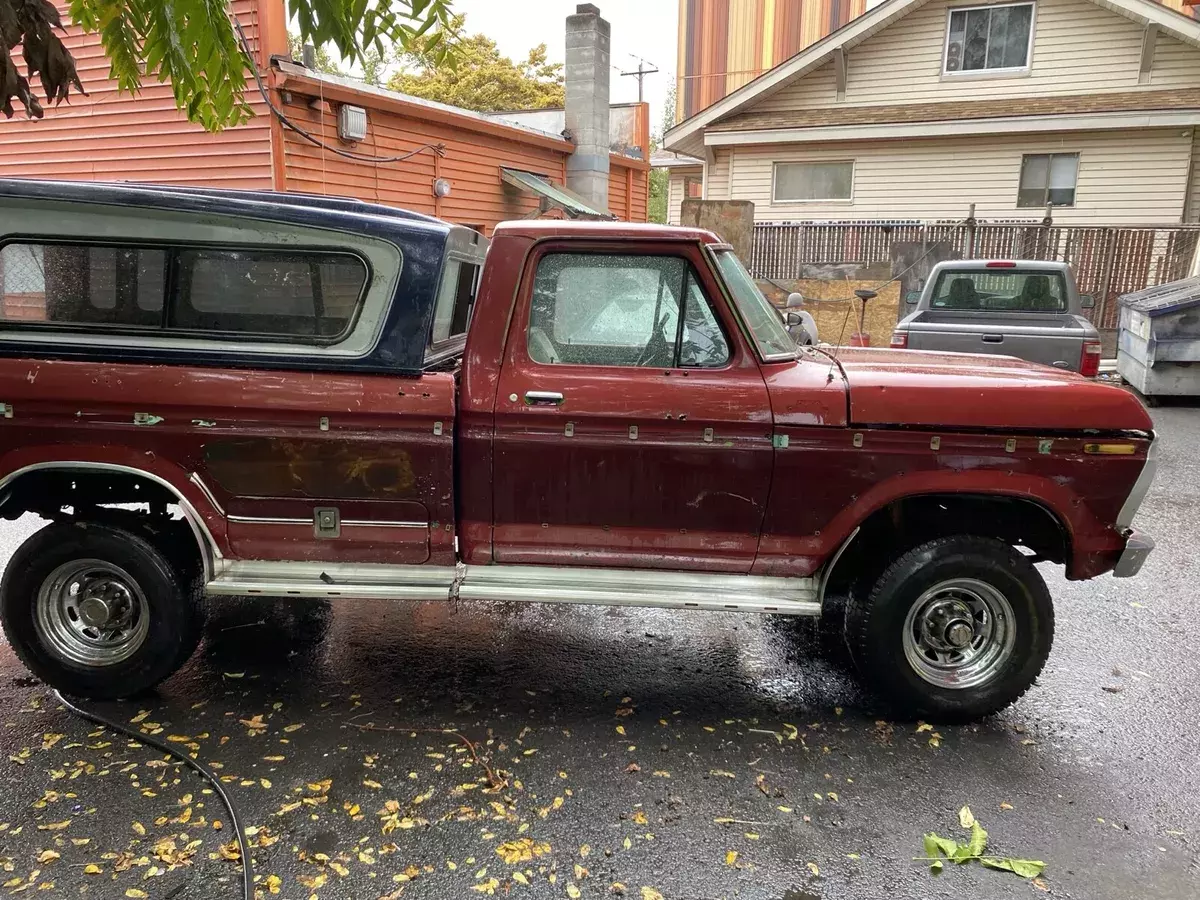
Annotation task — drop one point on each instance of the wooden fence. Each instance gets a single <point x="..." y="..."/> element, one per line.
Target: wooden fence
<point x="1108" y="261"/>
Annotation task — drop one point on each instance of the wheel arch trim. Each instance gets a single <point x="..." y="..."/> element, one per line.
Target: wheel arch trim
<point x="210" y="553"/>
<point x="1060" y="522"/>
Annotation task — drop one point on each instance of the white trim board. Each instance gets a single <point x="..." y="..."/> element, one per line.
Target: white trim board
<point x="1184" y="118"/>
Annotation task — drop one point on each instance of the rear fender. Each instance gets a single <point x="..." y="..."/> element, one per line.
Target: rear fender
<point x="205" y="519"/>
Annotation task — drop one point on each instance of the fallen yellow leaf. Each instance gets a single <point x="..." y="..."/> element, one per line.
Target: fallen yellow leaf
<point x="572" y="891"/>
<point x="92" y="869"/>
<point x="135" y="894"/>
<point x="731" y="857"/>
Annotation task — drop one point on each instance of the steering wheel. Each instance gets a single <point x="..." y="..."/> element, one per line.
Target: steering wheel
<point x="657" y="343"/>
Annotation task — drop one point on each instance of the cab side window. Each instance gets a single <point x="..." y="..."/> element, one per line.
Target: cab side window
<point x="622" y="310"/>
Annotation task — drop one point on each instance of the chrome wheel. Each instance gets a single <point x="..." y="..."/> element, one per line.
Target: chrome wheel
<point x="91" y="613"/>
<point x="959" y="633"/>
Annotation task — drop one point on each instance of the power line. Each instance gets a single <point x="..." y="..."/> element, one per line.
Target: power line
<point x="640" y="72"/>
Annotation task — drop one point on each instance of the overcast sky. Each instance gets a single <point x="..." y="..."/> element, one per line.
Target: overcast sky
<point x="640" y="28"/>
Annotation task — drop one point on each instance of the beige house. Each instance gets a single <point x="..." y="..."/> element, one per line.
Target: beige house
<point x="918" y="108"/>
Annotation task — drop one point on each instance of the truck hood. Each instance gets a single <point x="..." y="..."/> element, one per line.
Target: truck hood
<point x="966" y="390"/>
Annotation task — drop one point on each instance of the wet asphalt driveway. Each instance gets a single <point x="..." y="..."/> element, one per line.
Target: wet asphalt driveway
<point x="555" y="752"/>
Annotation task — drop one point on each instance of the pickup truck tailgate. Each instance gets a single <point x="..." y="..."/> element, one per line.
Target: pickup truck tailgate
<point x="1055" y="339"/>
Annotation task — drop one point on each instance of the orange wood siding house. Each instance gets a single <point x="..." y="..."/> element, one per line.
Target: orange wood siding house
<point x="723" y="44"/>
<point x="108" y="136"/>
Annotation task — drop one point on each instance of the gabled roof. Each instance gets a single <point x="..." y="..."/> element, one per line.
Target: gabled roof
<point x="687" y="136"/>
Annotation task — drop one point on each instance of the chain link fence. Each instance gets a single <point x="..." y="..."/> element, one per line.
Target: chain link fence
<point x="1108" y="261"/>
<point x="22" y="282"/>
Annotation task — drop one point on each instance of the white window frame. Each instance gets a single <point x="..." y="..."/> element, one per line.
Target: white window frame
<point x="775" y="201"/>
<point x="1050" y="163"/>
<point x="989" y="73"/>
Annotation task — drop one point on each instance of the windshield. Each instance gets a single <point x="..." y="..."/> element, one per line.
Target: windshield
<point x="762" y="318"/>
<point x="1000" y="291"/>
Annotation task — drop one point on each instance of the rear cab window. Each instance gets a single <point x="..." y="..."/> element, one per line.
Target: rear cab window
<point x="998" y="290"/>
<point x="310" y="297"/>
<point x="454" y="305"/>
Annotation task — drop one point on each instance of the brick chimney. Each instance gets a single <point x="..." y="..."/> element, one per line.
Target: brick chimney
<point x="587" y="68"/>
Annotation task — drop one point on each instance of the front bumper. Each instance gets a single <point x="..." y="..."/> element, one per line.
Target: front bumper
<point x="1137" y="547"/>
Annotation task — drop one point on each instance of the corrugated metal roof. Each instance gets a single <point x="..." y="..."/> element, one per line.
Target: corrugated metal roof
<point x="1165" y="298"/>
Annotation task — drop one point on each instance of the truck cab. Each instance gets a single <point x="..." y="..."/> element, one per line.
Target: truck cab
<point x="221" y="393"/>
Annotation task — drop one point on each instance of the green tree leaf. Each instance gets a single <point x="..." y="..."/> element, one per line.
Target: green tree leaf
<point x="478" y="76"/>
<point x="978" y="842"/>
<point x="1027" y="868"/>
<point x="946" y="845"/>
<point x="193" y="45"/>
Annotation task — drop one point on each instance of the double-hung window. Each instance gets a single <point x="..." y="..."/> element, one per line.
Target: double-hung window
<point x="983" y="39"/>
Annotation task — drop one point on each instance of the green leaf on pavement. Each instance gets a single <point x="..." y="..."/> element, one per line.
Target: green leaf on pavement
<point x="946" y="845"/>
<point x="978" y="842"/>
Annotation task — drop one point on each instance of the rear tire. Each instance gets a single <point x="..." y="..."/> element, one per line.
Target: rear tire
<point x="97" y="611"/>
<point x="955" y="629"/>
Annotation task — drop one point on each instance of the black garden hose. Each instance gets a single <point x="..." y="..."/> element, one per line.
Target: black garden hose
<point x="204" y="771"/>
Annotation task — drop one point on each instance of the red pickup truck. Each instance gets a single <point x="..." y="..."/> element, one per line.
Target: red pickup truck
<point x="212" y="393"/>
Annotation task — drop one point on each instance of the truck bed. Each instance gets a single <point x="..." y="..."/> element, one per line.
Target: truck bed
<point x="1055" y="339"/>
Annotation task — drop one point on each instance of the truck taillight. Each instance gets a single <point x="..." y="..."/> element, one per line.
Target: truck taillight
<point x="1089" y="359"/>
<point x="899" y="340"/>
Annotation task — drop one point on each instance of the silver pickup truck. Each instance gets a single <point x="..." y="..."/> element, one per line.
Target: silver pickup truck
<point x="1021" y="308"/>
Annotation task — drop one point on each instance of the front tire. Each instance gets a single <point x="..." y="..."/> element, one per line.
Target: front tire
<point x="97" y="611"/>
<point x="954" y="630"/>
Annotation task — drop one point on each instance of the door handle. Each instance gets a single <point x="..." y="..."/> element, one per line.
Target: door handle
<point x="993" y="338"/>
<point x="543" y="398"/>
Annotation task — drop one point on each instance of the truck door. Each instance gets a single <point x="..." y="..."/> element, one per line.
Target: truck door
<point x="632" y="423"/>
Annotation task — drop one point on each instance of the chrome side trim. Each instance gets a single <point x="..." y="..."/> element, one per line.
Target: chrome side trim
<point x="827" y="569"/>
<point x="208" y="495"/>
<point x="367" y="523"/>
<point x="356" y="523"/>
<point x="210" y="555"/>
<point x="361" y="581"/>
<point x="641" y="587"/>
<point x="1141" y="488"/>
<point x="264" y="520"/>
<point x="525" y="584"/>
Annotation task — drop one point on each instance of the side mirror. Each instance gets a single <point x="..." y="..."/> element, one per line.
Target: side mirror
<point x="912" y="298"/>
<point x="794" y="299"/>
<point x="1087" y="301"/>
<point x="792" y="319"/>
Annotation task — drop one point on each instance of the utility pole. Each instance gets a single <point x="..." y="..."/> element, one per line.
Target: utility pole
<point x="641" y="72"/>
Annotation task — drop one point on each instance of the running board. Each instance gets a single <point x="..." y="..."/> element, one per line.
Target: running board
<point x="522" y="584"/>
